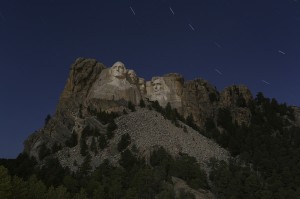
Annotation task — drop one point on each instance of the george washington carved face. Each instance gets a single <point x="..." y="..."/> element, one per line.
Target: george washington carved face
<point x="118" y="70"/>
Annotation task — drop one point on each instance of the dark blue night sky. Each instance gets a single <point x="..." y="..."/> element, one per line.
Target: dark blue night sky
<point x="251" y="42"/>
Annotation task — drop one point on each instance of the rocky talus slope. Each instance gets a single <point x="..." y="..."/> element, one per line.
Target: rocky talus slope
<point x="149" y="130"/>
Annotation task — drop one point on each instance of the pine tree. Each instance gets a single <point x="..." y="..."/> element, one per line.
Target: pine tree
<point x="110" y="128"/>
<point x="99" y="192"/>
<point x="19" y="188"/>
<point x="124" y="142"/>
<point x="59" y="192"/>
<point x="93" y="146"/>
<point x="81" y="195"/>
<point x="5" y="184"/>
<point x="43" y="151"/>
<point x="102" y="141"/>
<point x="190" y="121"/>
<point x="83" y="146"/>
<point x="47" y="119"/>
<point x="131" y="106"/>
<point x="168" y="111"/>
<point x="36" y="188"/>
<point x="85" y="168"/>
<point x="142" y="103"/>
<point x="72" y="141"/>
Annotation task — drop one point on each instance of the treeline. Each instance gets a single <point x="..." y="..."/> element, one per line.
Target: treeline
<point x="103" y="116"/>
<point x="268" y="150"/>
<point x="167" y="112"/>
<point x="265" y="166"/>
<point x="134" y="179"/>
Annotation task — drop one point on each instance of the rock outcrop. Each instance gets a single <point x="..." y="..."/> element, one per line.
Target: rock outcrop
<point x="92" y="85"/>
<point x="297" y="115"/>
<point x="237" y="98"/>
<point x="83" y="74"/>
<point x="236" y="95"/>
<point x="93" y="91"/>
<point x="200" y="99"/>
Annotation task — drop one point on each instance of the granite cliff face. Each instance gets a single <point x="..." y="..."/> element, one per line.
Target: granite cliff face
<point x="93" y="86"/>
<point x="101" y="106"/>
<point x="200" y="99"/>
<point x="83" y="74"/>
<point x="237" y="98"/>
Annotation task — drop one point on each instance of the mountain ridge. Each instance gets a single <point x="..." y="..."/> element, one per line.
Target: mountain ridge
<point x="110" y="117"/>
<point x="194" y="97"/>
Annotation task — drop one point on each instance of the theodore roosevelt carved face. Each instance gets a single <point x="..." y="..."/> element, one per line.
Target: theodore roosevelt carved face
<point x="142" y="86"/>
<point x="157" y="86"/>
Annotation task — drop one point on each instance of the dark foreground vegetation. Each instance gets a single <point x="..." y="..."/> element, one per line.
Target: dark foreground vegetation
<point x="134" y="179"/>
<point x="267" y="153"/>
<point x="265" y="163"/>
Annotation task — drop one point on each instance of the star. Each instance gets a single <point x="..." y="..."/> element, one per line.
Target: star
<point x="218" y="45"/>
<point x="172" y="11"/>
<point x="192" y="27"/>
<point x="264" y="81"/>
<point x="219" y="72"/>
<point x="281" y="52"/>
<point x="132" y="10"/>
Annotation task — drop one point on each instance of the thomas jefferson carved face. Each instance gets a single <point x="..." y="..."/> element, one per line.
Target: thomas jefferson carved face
<point x="118" y="70"/>
<point x="132" y="76"/>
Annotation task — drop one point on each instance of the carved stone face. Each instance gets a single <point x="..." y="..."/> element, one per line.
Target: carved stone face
<point x="132" y="76"/>
<point x="159" y="91"/>
<point x="157" y="86"/>
<point x="142" y="86"/>
<point x="118" y="70"/>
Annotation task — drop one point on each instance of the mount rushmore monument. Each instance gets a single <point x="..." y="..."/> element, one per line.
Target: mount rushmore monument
<point x="92" y="87"/>
<point x="117" y="83"/>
